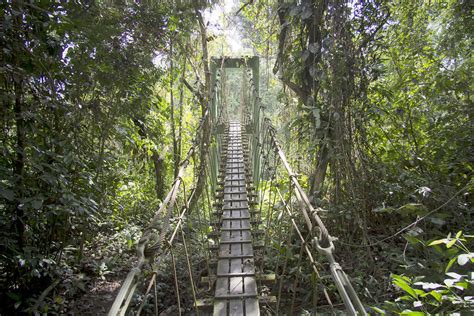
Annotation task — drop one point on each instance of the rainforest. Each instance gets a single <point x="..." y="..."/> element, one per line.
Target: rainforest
<point x="226" y="157"/>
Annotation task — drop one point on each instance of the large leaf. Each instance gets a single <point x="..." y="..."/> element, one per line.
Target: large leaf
<point x="401" y="283"/>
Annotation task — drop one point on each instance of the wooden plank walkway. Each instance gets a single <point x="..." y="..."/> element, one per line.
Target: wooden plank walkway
<point x="236" y="286"/>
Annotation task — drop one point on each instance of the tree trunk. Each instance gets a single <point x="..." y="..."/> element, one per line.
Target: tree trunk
<point x="176" y="158"/>
<point x="178" y="139"/>
<point x="159" y="165"/>
<point x="206" y="130"/>
<point x="19" y="162"/>
<point x="159" y="168"/>
<point x="319" y="174"/>
<point x="18" y="109"/>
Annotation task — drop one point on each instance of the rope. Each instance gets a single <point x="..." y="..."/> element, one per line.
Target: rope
<point x="190" y="271"/>
<point x="305" y="244"/>
<point x="271" y="208"/>
<point x="295" y="282"/>
<point x="154" y="234"/>
<point x="176" y="285"/>
<point x="323" y="243"/>
<point x="263" y="146"/>
<point x="282" y="277"/>
<point x="205" y="232"/>
<point x="152" y="281"/>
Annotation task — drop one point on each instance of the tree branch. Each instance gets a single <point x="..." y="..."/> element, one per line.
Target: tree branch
<point x="371" y="36"/>
<point x="193" y="91"/>
<point x="243" y="6"/>
<point x="296" y="89"/>
<point x="282" y="37"/>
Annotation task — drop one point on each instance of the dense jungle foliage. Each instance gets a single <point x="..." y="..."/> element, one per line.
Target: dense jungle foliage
<point x="371" y="99"/>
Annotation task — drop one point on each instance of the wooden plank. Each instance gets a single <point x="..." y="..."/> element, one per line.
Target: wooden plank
<point x="245" y="234"/>
<point x="222" y="286"/>
<point x="235" y="265"/>
<point x="235" y="189"/>
<point x="235" y="223"/>
<point x="220" y="308"/>
<point x="235" y="249"/>
<point x="234" y="167"/>
<point x="235" y="176"/>
<point x="245" y="224"/>
<point x="244" y="204"/>
<point x="223" y="266"/>
<point x="230" y="182"/>
<point x="237" y="218"/>
<point x="245" y="213"/>
<point x="225" y="235"/>
<point x="250" y="285"/>
<point x="236" y="208"/>
<point x="241" y="189"/>
<point x="236" y="286"/>
<point x="249" y="241"/>
<point x="251" y="307"/>
<point x="235" y="196"/>
<point x="236" y="160"/>
<point x="247" y="249"/>
<point x="265" y="278"/>
<point x="236" y="307"/>
<point x="238" y="170"/>
<point x="233" y="237"/>
<point x="225" y="250"/>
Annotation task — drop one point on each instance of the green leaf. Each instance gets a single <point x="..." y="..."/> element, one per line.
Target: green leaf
<point x="382" y="209"/>
<point x="437" y="296"/>
<point x="398" y="281"/>
<point x="412" y="313"/>
<point x="462" y="284"/>
<point x="378" y="310"/>
<point x="36" y="204"/>
<point x="450" y="263"/>
<point x="459" y="234"/>
<point x="412" y="209"/>
<point x="451" y="243"/>
<point x="412" y="240"/>
<point x="7" y="194"/>
<point x="14" y="296"/>
<point x="437" y="242"/>
<point x="419" y="292"/>
<point x="437" y="221"/>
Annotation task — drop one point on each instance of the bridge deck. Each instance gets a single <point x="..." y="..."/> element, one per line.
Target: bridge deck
<point x="236" y="287"/>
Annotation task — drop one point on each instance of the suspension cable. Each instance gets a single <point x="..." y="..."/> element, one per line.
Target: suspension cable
<point x="324" y="242"/>
<point x="153" y="237"/>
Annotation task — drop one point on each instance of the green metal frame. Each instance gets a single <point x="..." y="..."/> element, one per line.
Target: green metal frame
<point x="252" y="62"/>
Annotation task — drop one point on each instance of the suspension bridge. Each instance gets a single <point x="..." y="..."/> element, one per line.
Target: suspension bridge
<point x="241" y="198"/>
